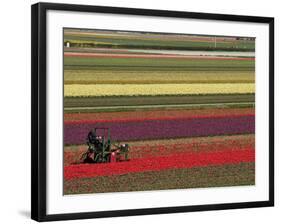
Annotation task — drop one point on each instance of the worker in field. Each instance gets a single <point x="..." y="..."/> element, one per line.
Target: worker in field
<point x="94" y="140"/>
<point x="91" y="137"/>
<point x="89" y="155"/>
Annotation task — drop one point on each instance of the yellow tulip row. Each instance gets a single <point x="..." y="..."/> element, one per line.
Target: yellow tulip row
<point x="80" y="90"/>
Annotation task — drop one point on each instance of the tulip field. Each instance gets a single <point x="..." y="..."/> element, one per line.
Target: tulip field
<point x="185" y="106"/>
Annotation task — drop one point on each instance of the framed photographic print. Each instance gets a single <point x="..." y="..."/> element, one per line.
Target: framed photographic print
<point x="139" y="111"/>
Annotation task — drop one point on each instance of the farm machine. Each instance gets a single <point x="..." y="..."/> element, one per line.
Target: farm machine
<point x="102" y="150"/>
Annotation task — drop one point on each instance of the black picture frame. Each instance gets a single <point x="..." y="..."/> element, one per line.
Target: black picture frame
<point x="39" y="122"/>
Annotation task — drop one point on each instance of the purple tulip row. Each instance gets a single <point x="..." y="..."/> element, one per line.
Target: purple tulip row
<point x="156" y="129"/>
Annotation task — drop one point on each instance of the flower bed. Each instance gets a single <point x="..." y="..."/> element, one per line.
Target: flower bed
<point x="162" y="129"/>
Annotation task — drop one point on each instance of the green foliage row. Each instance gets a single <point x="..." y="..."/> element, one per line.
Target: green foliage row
<point x="157" y="64"/>
<point x="201" y="46"/>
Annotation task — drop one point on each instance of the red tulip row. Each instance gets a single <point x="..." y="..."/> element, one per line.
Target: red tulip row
<point x="156" y="114"/>
<point x="142" y="149"/>
<point x="174" y="161"/>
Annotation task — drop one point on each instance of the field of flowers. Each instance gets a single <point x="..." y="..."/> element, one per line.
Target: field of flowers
<point x="171" y="146"/>
<point x="189" y="119"/>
